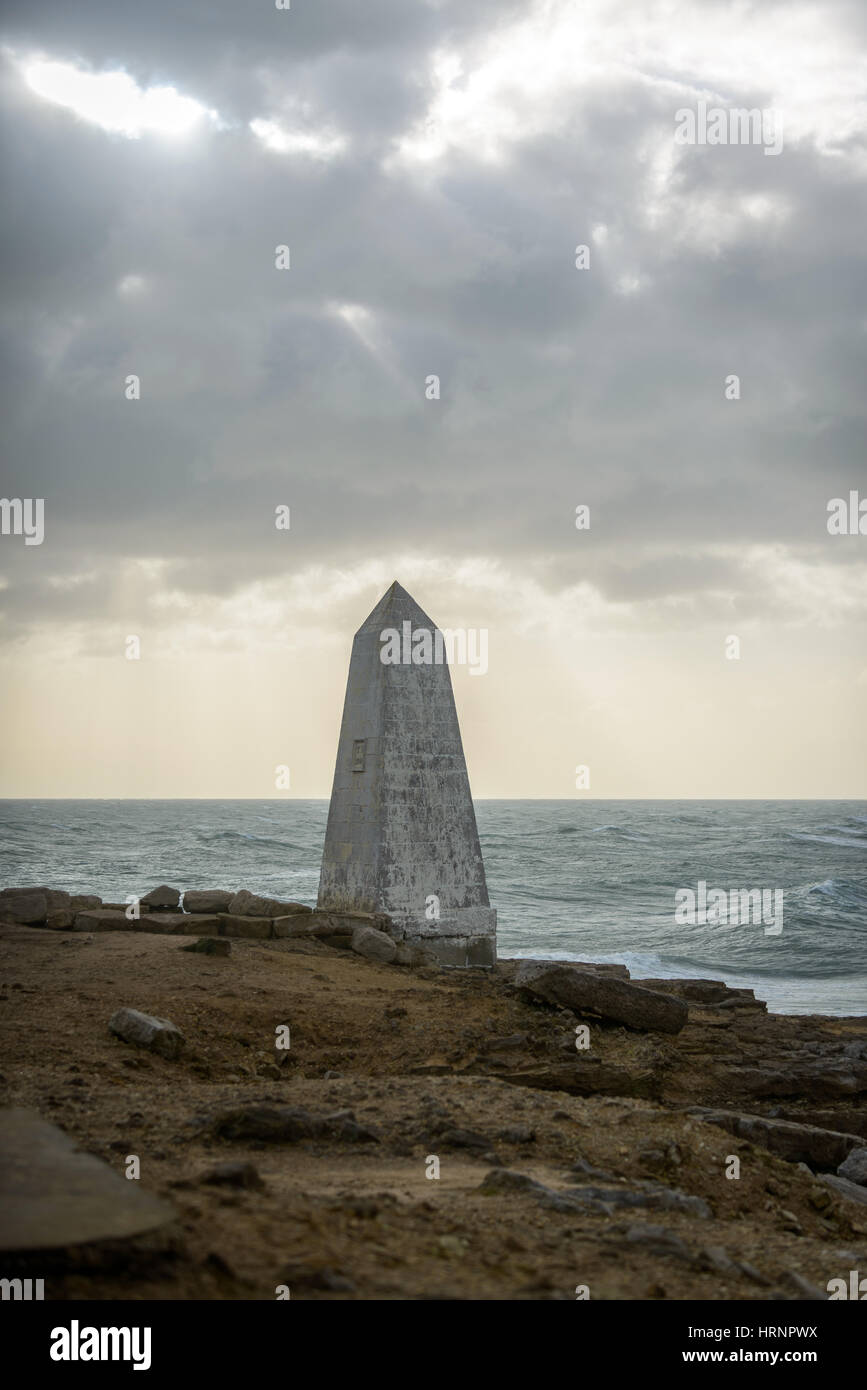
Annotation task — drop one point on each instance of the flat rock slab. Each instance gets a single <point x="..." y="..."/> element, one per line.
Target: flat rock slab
<point x="611" y="998"/>
<point x="245" y="904"/>
<point x="207" y="900"/>
<point x="820" y="1148"/>
<point x="160" y="923"/>
<point x="53" y="1196"/>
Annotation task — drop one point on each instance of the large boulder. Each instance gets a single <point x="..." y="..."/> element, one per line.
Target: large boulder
<point x="159" y="1035"/>
<point x="207" y="900"/>
<point x="162" y="897"/>
<point x="81" y="902"/>
<point x="30" y="906"/>
<point x="584" y="992"/>
<point x="246" y="904"/>
<point x="375" y="945"/>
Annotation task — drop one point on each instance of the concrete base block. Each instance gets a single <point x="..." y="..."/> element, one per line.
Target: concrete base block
<point x="458" y="952"/>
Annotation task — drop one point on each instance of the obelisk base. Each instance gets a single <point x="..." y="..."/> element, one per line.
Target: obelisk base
<point x="462" y="938"/>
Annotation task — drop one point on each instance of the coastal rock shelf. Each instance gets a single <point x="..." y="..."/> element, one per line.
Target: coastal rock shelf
<point x="321" y="1078"/>
<point x="164" y="911"/>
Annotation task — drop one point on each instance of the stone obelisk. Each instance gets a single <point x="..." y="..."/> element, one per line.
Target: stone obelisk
<point x="401" y="836"/>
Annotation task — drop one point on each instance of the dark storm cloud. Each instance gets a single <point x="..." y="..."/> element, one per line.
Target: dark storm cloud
<point x="558" y="386"/>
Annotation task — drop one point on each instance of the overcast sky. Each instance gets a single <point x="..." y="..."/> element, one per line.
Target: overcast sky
<point x="432" y="166"/>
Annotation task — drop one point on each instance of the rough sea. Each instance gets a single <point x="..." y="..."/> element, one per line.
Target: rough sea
<point x="571" y="880"/>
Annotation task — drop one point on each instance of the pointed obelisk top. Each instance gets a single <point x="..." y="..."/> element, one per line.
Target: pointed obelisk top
<point x="395" y="606"/>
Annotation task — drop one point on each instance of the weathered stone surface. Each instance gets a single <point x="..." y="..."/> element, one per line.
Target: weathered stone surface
<point x="286" y="1124"/>
<point x="60" y="919"/>
<point x="412" y="953"/>
<point x="53" y="1196"/>
<point x="507" y="966"/>
<point x="245" y="904"/>
<point x="852" y="1191"/>
<point x="161" y="897"/>
<point x="820" y="1080"/>
<point x="159" y="1035"/>
<point x="294" y="925"/>
<point x="401" y="824"/>
<point x="102" y="919"/>
<point x="648" y="1196"/>
<point x="658" y="1240"/>
<point x="618" y="1000"/>
<point x="255" y="928"/>
<point x="30" y="906"/>
<point x="162" y="922"/>
<point x="696" y="991"/>
<point x="80" y="902"/>
<point x="854" y="1167"/>
<point x="588" y="1076"/>
<point x="207" y="900"/>
<point x="209" y="946"/>
<point x="375" y="945"/>
<point x="820" y="1148"/>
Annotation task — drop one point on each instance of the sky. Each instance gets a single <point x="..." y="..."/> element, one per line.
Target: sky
<point x="430" y="168"/>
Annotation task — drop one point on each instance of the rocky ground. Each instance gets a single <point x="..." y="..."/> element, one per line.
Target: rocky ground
<point x="309" y="1167"/>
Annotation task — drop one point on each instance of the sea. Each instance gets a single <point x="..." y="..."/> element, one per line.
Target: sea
<point x="571" y="880"/>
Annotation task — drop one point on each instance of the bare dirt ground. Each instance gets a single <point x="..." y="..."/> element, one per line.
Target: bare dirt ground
<point x="453" y="1065"/>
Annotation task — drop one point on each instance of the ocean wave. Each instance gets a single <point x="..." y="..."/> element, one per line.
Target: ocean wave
<point x="840" y="892"/>
<point x="843" y="841"/>
<point x="217" y="835"/>
<point x="617" y="830"/>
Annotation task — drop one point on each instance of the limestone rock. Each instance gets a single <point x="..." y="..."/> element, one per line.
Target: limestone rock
<point x="820" y="1148"/>
<point x="246" y="904"/>
<point x="588" y="1076"/>
<point x="161" y="897"/>
<point x="102" y="919"/>
<point x="852" y="1191"/>
<point x="207" y="900"/>
<point x="30" y="906"/>
<point x="618" y="1000"/>
<point x="157" y="1034"/>
<point x="854" y="1167"/>
<point x="657" y="1240"/>
<point x="375" y="945"/>
<point x="60" y="919"/>
<point x="286" y="1124"/>
<point x="255" y="928"/>
<point x="54" y="1197"/>
<point x="165" y="923"/>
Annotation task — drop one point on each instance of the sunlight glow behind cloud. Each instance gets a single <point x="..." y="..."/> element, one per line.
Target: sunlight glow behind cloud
<point x="114" y="101"/>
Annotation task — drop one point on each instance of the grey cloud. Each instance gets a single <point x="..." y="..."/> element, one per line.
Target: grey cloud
<point x="556" y="389"/>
